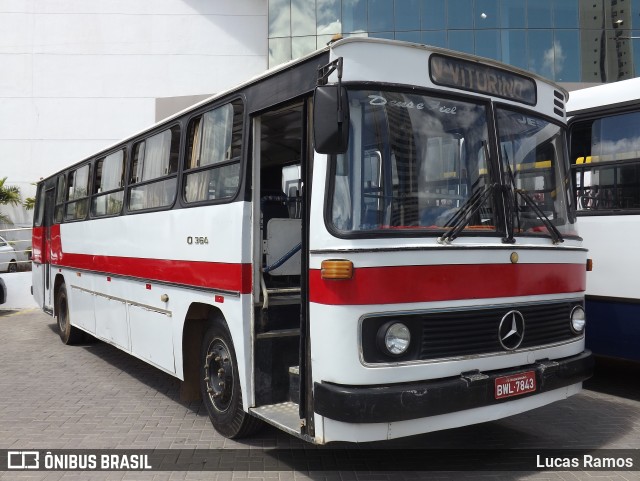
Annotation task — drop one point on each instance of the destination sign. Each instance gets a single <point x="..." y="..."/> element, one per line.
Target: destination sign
<point x="475" y="77"/>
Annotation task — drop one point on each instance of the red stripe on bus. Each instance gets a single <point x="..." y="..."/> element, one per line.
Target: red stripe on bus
<point x="37" y="246"/>
<point x="212" y="275"/>
<point x="234" y="277"/>
<point x="404" y="284"/>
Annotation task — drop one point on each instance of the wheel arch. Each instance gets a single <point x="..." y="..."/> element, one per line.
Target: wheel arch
<point x="59" y="280"/>
<point x="199" y="318"/>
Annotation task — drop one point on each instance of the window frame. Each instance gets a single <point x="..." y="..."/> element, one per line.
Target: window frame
<point x="130" y="185"/>
<point x="579" y="169"/>
<point x="61" y="185"/>
<point x="95" y="195"/>
<point x="186" y="172"/>
<point x="38" y="211"/>
<point x="76" y="200"/>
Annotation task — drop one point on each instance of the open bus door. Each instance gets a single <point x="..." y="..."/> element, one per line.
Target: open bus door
<point x="281" y="154"/>
<point x="42" y="246"/>
<point x="47" y="291"/>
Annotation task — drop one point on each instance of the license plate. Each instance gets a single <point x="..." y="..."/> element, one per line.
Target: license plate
<point x="515" y="385"/>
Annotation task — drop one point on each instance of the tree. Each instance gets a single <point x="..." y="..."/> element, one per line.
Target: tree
<point x="29" y="203"/>
<point x="9" y="195"/>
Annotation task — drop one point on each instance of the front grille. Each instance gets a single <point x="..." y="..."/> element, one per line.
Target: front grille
<point x="466" y="332"/>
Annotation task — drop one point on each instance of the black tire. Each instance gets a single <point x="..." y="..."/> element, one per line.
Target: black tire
<point x="220" y="385"/>
<point x="68" y="333"/>
<point x="13" y="267"/>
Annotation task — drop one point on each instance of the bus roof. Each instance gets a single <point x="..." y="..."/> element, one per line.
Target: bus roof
<point x="455" y="53"/>
<point x="604" y="97"/>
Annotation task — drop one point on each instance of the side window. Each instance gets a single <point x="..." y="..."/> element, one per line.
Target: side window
<point x="606" y="162"/>
<point x="61" y="191"/>
<point x="214" y="147"/>
<point x="38" y="216"/>
<point x="154" y="170"/>
<point x="77" y="194"/>
<point x="291" y="186"/>
<point x="608" y="187"/>
<point x="108" y="187"/>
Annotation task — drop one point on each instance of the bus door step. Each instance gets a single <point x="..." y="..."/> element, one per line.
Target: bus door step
<point x="283" y="296"/>
<point x="278" y="333"/>
<point x="284" y="416"/>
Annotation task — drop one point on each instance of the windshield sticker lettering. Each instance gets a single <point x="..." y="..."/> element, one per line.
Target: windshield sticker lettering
<point x="521" y="119"/>
<point x="380" y="100"/>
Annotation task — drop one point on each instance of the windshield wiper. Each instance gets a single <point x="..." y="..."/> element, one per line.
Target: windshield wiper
<point x="556" y="236"/>
<point x="463" y="216"/>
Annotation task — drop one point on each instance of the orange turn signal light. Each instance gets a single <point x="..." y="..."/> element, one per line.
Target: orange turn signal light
<point x="336" y="269"/>
<point x="589" y="265"/>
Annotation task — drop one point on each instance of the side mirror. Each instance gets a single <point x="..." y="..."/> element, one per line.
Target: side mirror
<point x="330" y="119"/>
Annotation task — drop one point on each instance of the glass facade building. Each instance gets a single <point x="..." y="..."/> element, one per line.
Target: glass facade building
<point x="588" y="41"/>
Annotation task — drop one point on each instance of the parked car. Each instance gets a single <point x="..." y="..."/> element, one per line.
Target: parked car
<point x="3" y="292"/>
<point x="8" y="257"/>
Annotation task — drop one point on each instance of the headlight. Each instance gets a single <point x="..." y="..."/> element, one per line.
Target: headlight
<point x="578" y="320"/>
<point x="394" y="338"/>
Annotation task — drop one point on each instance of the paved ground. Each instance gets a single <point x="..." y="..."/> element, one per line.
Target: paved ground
<point x="95" y="397"/>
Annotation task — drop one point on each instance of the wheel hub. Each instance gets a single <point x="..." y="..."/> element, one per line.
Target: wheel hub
<point x="219" y="375"/>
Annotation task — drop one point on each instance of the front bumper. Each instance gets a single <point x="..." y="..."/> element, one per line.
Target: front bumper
<point x="402" y="402"/>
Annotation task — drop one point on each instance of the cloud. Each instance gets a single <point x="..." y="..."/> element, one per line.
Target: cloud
<point x="553" y="59"/>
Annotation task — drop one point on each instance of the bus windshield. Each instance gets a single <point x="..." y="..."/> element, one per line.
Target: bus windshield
<point x="412" y="162"/>
<point x="534" y="164"/>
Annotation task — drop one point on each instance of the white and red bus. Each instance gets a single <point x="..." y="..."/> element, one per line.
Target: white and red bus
<point x="371" y="242"/>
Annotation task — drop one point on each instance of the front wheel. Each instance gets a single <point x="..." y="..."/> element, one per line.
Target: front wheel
<point x="68" y="333"/>
<point x="220" y="385"/>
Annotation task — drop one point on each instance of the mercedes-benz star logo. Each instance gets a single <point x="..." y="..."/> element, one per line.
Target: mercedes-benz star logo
<point x="511" y="330"/>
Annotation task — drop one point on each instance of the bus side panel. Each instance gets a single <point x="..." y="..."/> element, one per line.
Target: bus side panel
<point x="616" y="264"/>
<point x="613" y="311"/>
<point x="141" y="291"/>
<point x="112" y="321"/>
<point x="199" y="247"/>
<point x="613" y="328"/>
<point x="151" y="334"/>
<point x="84" y="307"/>
<point x="37" y="267"/>
<point x="37" y="282"/>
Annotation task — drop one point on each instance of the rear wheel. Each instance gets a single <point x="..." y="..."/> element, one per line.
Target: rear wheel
<point x="220" y="385"/>
<point x="68" y="333"/>
<point x="13" y="267"/>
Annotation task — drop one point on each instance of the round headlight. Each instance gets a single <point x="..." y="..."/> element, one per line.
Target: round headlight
<point x="396" y="338"/>
<point x="578" y="319"/>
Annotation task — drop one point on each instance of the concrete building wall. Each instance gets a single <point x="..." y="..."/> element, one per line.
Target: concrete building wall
<point x="77" y="75"/>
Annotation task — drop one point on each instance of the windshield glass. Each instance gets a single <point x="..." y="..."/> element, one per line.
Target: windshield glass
<point x="413" y="162"/>
<point x="534" y="162"/>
